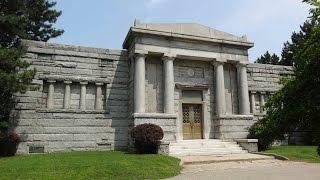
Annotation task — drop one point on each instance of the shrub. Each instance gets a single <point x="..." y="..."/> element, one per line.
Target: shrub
<point x="318" y="150"/>
<point x="147" y="138"/>
<point x="265" y="132"/>
<point x="9" y="144"/>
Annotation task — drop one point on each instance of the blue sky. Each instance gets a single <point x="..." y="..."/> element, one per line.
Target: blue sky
<point x="105" y="23"/>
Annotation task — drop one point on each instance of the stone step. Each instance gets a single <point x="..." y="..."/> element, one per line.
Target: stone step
<point x="175" y="148"/>
<point x="205" y="159"/>
<point x="205" y="153"/>
<point x="204" y="147"/>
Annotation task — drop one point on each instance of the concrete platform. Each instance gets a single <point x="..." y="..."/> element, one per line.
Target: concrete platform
<point x="222" y="158"/>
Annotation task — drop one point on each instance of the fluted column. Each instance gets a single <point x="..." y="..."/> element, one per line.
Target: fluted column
<point x="253" y="102"/>
<point x="262" y="101"/>
<point x="83" y="94"/>
<point x="67" y="95"/>
<point x="220" y="89"/>
<point x="139" y="83"/>
<point x="50" y="98"/>
<point x="244" y="105"/>
<point x="168" y="85"/>
<point x="99" y="102"/>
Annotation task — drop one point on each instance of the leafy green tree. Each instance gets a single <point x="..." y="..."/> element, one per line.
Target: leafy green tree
<point x="297" y="104"/>
<point x="20" y="19"/>
<point x="267" y="58"/>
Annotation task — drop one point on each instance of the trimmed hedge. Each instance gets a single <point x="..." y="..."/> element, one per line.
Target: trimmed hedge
<point x="147" y="138"/>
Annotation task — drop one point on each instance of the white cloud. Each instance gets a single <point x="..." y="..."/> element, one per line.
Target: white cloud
<point x="258" y="12"/>
<point x="152" y="3"/>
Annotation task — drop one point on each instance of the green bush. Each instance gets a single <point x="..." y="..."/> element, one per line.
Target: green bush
<point x="318" y="150"/>
<point x="261" y="131"/>
<point x="147" y="138"/>
<point x="9" y="143"/>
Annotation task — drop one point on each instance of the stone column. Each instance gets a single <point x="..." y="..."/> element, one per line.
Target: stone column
<point x="139" y="83"/>
<point x="99" y="102"/>
<point x="67" y="95"/>
<point x="244" y="105"/>
<point x="168" y="85"/>
<point x="262" y="101"/>
<point x="50" y="98"/>
<point x="107" y="96"/>
<point x="83" y="94"/>
<point x="253" y="102"/>
<point x="220" y="89"/>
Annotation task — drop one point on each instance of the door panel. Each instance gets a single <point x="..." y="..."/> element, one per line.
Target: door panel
<point x="192" y="121"/>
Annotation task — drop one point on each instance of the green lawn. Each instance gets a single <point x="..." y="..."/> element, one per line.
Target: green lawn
<point x="89" y="165"/>
<point x="297" y="153"/>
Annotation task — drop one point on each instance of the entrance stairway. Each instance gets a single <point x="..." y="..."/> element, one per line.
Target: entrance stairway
<point x="204" y="147"/>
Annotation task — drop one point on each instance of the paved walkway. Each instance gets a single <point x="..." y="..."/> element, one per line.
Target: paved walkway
<point x="222" y="158"/>
<point x="255" y="170"/>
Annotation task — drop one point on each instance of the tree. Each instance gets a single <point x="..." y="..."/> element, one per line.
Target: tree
<point x="267" y="58"/>
<point x="299" y="38"/>
<point x="20" y="19"/>
<point x="297" y="104"/>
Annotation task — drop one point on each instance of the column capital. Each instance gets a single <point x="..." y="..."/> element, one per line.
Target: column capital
<point x="99" y="83"/>
<point x="216" y="63"/>
<point x="253" y="92"/>
<point x="138" y="55"/>
<point x="51" y="81"/>
<point x="84" y="83"/>
<point x="263" y="92"/>
<point x="242" y="64"/>
<point x="168" y="58"/>
<point x="67" y="82"/>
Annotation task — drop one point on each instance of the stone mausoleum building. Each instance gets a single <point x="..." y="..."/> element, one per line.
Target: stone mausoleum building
<point x="193" y="81"/>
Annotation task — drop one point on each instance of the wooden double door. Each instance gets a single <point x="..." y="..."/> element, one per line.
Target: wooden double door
<point x="192" y="121"/>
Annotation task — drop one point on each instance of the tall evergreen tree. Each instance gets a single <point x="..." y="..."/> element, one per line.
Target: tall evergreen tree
<point x="297" y="104"/>
<point x="267" y="58"/>
<point x="20" y="19"/>
<point x="299" y="38"/>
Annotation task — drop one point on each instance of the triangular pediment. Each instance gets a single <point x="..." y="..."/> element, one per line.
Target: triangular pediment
<point x="191" y="29"/>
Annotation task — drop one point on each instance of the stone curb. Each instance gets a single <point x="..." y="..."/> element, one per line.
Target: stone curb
<point x="221" y="161"/>
<point x="276" y="156"/>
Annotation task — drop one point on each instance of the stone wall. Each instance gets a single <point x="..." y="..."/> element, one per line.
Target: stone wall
<point x="266" y="77"/>
<point x="263" y="81"/>
<point x="232" y="127"/>
<point x="166" y="121"/>
<point x="63" y="128"/>
<point x="154" y="85"/>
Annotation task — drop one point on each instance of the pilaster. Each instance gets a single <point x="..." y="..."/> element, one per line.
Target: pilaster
<point x="83" y="94"/>
<point x="67" y="95"/>
<point x="98" y="100"/>
<point x="50" y="98"/>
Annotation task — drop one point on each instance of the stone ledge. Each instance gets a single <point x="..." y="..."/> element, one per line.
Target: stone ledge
<point x="192" y="86"/>
<point x="73" y="78"/>
<point x="251" y="145"/>
<point x="78" y="111"/>
<point x="154" y="115"/>
<point x="231" y="117"/>
<point x="246" y="140"/>
<point x="75" y="48"/>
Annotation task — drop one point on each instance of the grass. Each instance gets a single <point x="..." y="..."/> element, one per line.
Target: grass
<point x="297" y="153"/>
<point x="89" y="165"/>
